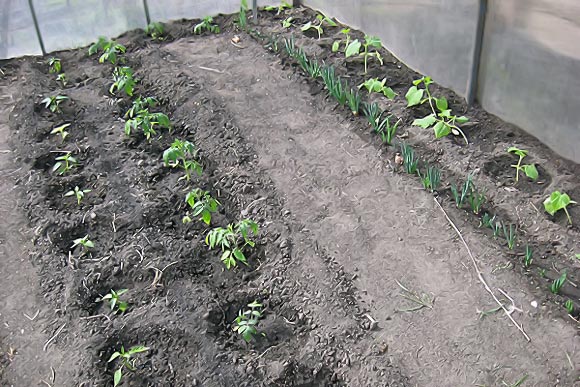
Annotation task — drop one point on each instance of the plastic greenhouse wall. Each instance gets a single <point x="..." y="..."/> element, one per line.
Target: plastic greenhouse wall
<point x="522" y="60"/>
<point x="529" y="69"/>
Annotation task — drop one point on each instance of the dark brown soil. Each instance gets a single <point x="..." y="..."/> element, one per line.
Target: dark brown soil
<point x="340" y="227"/>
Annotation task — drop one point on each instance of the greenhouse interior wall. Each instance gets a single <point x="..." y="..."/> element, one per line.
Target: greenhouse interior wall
<point x="527" y="70"/>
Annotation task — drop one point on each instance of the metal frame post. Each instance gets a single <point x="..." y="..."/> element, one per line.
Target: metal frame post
<point x="255" y="11"/>
<point x="146" y="9"/>
<point x="472" y="83"/>
<point x="35" y="21"/>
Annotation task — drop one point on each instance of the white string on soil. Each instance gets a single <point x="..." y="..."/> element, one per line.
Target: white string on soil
<point x="479" y="273"/>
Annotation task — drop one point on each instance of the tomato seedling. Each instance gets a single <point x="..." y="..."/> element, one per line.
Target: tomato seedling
<point x="78" y="193"/>
<point x="279" y="8"/>
<point x="62" y="79"/>
<point x="247" y="321"/>
<point x="182" y="154"/>
<point x="127" y="361"/>
<point x="232" y="240"/>
<point x="528" y="169"/>
<point x="206" y="25"/>
<point x="155" y="30"/>
<point x="201" y="203"/>
<point x="84" y="242"/>
<point x="111" y="50"/>
<point x="558" y="201"/>
<point x="123" y="80"/>
<point x="147" y="122"/>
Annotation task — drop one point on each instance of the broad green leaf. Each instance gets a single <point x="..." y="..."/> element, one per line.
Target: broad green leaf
<point x="206" y="216"/>
<point x="239" y="255"/>
<point x="306" y="26"/>
<point x="530" y="171"/>
<point x="389" y="93"/>
<point x="461" y="120"/>
<point x="138" y="349"/>
<point x="445" y="113"/>
<point x="335" y="46"/>
<point x="425" y="122"/>
<point x="556" y="202"/>
<point x="353" y="48"/>
<point x="417" y="82"/>
<point x="441" y="103"/>
<point x="117" y="377"/>
<point x="373" y="41"/>
<point x="441" y="129"/>
<point x="414" y="96"/>
<point x="520" y="152"/>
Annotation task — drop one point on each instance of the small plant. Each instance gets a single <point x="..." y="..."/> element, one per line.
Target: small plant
<point x="287" y="23"/>
<point x="386" y="130"/>
<point x="510" y="235"/>
<point x="85" y="242"/>
<point x="334" y="85"/>
<point x="123" y="81"/>
<point x="373" y="113"/>
<point x="556" y="286"/>
<point x="111" y="50"/>
<point x="62" y="79"/>
<point x="127" y="361"/>
<point x="243" y="15"/>
<point x="317" y="24"/>
<point x="54" y="65"/>
<point x="207" y="25"/>
<point x="247" y="321"/>
<point x="558" y="201"/>
<point x="542" y="272"/>
<point x="528" y="256"/>
<point x="78" y="193"/>
<point x="290" y="46"/>
<point x="370" y="42"/>
<point x="114" y="300"/>
<point x="182" y="154"/>
<point x="487" y="220"/>
<point x="569" y="305"/>
<point x="201" y="203"/>
<point x="280" y="8"/>
<point x="476" y="199"/>
<point x="441" y="118"/>
<point x="497" y="227"/>
<point x="528" y="169"/>
<point x="229" y="240"/>
<point x="432" y="178"/>
<point x="53" y="103"/>
<point x="409" y="160"/>
<point x="373" y="85"/>
<point x="353" y="100"/>
<point x="155" y="30"/>
<point x="460" y="196"/>
<point x="64" y="163"/>
<point x="60" y="130"/>
<point x="336" y="44"/>
<point x="140" y="104"/>
<point x="311" y="67"/>
<point x="147" y="122"/>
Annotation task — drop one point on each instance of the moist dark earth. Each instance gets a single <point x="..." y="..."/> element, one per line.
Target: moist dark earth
<point x="342" y="228"/>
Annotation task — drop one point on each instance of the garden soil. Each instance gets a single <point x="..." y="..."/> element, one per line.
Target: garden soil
<point x="343" y="231"/>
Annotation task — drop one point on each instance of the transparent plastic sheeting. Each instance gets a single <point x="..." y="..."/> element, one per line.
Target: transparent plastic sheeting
<point x="530" y="69"/>
<point x="17" y="34"/>
<point x="435" y="37"/>
<point x="67" y="24"/>
<point x="165" y="10"/>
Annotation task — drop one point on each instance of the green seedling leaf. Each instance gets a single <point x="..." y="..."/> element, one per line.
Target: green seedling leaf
<point x="558" y="201"/>
<point x="531" y="171"/>
<point x="425" y="122"/>
<point x="336" y="46"/>
<point x="441" y="104"/>
<point x="441" y="129"/>
<point x="414" y="96"/>
<point x="353" y="48"/>
<point x="520" y="152"/>
<point x="117" y="377"/>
